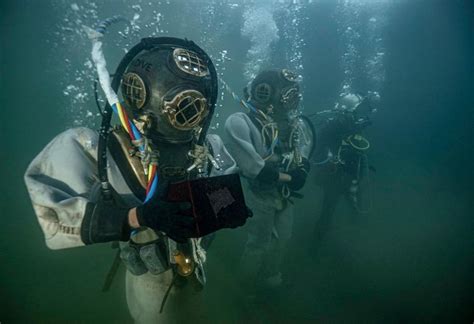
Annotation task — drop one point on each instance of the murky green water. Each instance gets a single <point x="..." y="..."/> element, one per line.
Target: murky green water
<point x="411" y="259"/>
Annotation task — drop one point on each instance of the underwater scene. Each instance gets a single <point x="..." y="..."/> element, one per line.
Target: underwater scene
<point x="237" y="161"/>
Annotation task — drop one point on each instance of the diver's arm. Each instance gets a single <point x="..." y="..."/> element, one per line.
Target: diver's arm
<point x="240" y="145"/>
<point x="64" y="189"/>
<point x="65" y="192"/>
<point x="109" y="220"/>
<point x="299" y="175"/>
<point x="270" y="174"/>
<point x="62" y="182"/>
<point x="249" y="161"/>
<point x="225" y="162"/>
<point x="106" y="220"/>
<point x="332" y="131"/>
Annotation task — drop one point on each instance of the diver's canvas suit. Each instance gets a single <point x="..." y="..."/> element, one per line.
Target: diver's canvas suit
<point x="269" y="230"/>
<point x="63" y="179"/>
<point x="134" y="183"/>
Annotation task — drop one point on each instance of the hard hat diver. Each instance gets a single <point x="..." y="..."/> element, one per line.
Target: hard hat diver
<point x="271" y="145"/>
<point x="88" y="187"/>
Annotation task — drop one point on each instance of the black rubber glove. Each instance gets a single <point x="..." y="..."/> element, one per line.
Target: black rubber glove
<point x="172" y="218"/>
<point x="299" y="175"/>
<point x="268" y="174"/>
<point x="106" y="220"/>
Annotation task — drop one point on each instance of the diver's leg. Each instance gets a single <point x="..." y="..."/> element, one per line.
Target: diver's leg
<point x="273" y="259"/>
<point x="359" y="208"/>
<point x="332" y="193"/>
<point x="259" y="234"/>
<point x="145" y="294"/>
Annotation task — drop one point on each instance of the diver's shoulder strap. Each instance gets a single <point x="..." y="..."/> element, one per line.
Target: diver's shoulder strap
<point x="130" y="166"/>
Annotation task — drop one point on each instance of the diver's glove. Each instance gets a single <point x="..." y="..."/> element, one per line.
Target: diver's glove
<point x="268" y="174"/>
<point x="299" y="175"/>
<point x="172" y="218"/>
<point x="106" y="220"/>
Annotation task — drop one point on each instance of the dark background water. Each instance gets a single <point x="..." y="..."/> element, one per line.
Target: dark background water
<point x="410" y="260"/>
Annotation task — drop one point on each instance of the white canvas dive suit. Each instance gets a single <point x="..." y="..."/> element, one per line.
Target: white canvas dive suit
<point x="63" y="179"/>
<point x="270" y="228"/>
